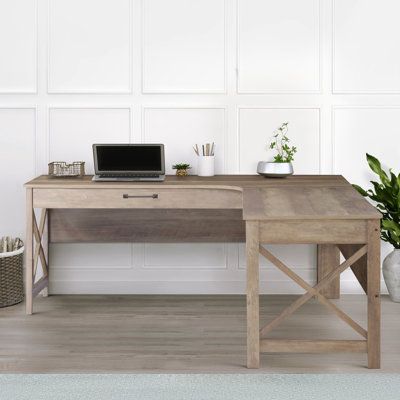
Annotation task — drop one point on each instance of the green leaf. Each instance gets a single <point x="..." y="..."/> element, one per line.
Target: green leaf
<point x="181" y="166"/>
<point x="375" y="166"/>
<point x="360" y="190"/>
<point x="280" y="143"/>
<point x="386" y="195"/>
<point x="391" y="226"/>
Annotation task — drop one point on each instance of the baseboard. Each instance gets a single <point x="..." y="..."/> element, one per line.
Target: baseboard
<point x="185" y="287"/>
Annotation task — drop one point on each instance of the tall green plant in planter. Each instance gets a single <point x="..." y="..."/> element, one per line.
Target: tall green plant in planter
<point x="280" y="143"/>
<point x="386" y="195"/>
<point x="282" y="164"/>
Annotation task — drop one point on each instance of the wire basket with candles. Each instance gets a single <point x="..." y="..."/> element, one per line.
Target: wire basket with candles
<point x="62" y="169"/>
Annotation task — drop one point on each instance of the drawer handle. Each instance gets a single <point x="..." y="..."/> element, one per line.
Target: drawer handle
<point x="144" y="196"/>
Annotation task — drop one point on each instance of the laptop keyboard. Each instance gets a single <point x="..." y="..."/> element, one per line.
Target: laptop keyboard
<point x="128" y="176"/>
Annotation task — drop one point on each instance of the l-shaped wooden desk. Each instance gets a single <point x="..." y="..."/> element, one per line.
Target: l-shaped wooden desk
<point x="322" y="210"/>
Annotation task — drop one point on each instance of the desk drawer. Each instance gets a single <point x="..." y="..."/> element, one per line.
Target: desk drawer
<point x="138" y="198"/>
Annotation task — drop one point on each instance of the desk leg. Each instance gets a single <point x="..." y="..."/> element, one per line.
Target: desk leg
<point x="328" y="260"/>
<point x="253" y="311"/>
<point x="373" y="292"/>
<point x="45" y="246"/>
<point x="29" y="253"/>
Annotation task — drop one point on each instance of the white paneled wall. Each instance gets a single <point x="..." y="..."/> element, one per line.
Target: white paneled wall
<point x="365" y="43"/>
<point x="18" y="44"/>
<point x="17" y="162"/>
<point x="278" y="46"/>
<point x="183" y="44"/>
<point x="75" y="72"/>
<point x="89" y="46"/>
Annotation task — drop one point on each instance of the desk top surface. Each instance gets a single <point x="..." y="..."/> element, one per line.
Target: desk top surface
<point x="233" y="181"/>
<point x="295" y="197"/>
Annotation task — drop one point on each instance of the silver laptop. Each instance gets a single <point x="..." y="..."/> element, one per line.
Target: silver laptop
<point x="129" y="162"/>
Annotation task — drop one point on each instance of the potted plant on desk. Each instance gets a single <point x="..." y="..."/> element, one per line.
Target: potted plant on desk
<point x="386" y="195"/>
<point x="181" y="169"/>
<point x="282" y="164"/>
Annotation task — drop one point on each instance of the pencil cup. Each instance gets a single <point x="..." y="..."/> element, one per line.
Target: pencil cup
<point x="205" y="166"/>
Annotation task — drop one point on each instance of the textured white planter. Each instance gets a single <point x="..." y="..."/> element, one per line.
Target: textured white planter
<point x="391" y="273"/>
<point x="274" y="169"/>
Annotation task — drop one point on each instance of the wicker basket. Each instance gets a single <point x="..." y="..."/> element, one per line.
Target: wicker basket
<point x="11" y="277"/>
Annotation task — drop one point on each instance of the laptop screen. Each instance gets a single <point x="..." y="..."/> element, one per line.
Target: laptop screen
<point x="129" y="158"/>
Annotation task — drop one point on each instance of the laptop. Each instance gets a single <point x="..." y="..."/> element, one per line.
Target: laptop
<point x="129" y="162"/>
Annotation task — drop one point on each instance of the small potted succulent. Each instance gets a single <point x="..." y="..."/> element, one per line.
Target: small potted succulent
<point x="182" y="169"/>
<point x="281" y="166"/>
<point x="386" y="195"/>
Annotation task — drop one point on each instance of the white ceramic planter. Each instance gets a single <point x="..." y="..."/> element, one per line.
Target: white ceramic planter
<point x="274" y="169"/>
<point x="391" y="273"/>
<point x="205" y="166"/>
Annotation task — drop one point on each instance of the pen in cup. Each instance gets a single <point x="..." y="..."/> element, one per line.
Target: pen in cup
<point x="205" y="153"/>
<point x="207" y="149"/>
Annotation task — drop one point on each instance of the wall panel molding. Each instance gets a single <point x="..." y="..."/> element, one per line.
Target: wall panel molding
<point x="18" y="165"/>
<point x="93" y="266"/>
<point x="34" y="88"/>
<point x="318" y="55"/>
<point x="147" y="266"/>
<point x="160" y="90"/>
<point x="352" y="107"/>
<point x="333" y="55"/>
<point x="52" y="89"/>
<point x="33" y="108"/>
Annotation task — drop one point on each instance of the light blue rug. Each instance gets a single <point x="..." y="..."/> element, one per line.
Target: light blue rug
<point x="200" y="387"/>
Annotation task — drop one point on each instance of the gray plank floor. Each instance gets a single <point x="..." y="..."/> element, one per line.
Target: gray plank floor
<point x="177" y="334"/>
